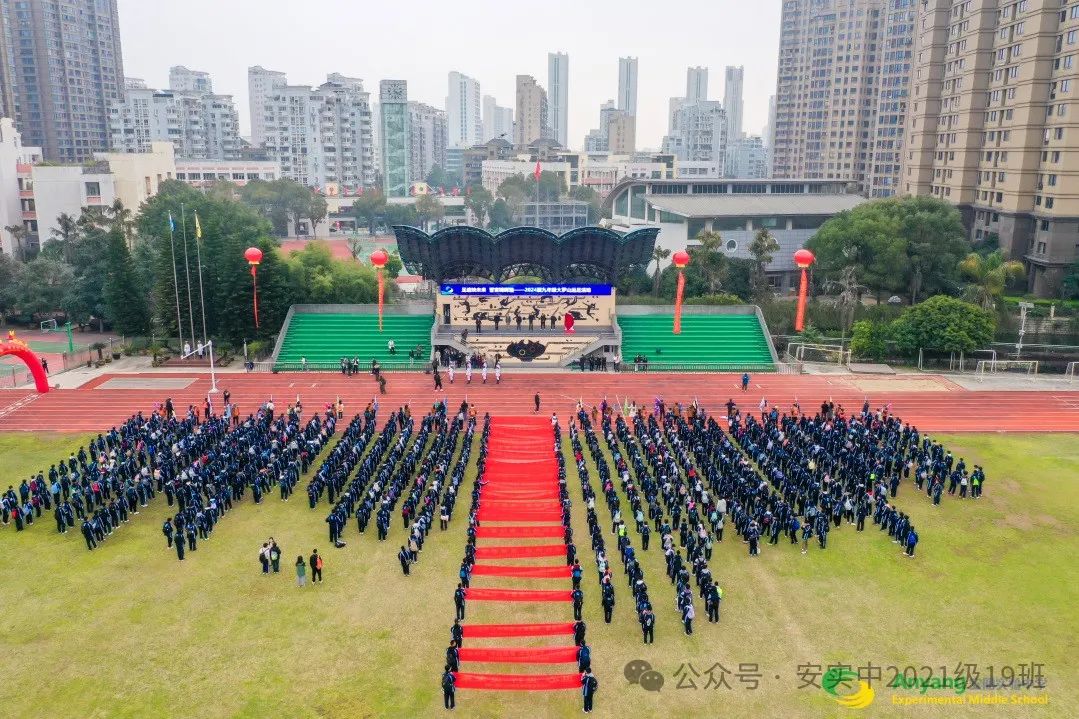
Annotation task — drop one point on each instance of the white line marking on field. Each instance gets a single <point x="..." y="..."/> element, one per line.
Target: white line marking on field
<point x="17" y="405"/>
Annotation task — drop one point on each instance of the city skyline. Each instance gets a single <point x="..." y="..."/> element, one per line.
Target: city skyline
<point x="155" y="41"/>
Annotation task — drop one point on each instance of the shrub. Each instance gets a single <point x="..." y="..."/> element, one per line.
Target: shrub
<point x="946" y="324"/>
<point x="869" y="340"/>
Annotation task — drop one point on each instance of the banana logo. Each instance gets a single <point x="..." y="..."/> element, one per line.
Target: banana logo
<point x="860" y="698"/>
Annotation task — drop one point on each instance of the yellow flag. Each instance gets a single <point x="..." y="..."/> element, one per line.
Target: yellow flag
<point x="198" y="227"/>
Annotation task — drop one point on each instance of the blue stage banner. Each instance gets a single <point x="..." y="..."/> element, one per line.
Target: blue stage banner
<point x="522" y="290"/>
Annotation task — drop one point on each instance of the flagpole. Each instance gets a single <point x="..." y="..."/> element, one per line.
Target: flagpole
<point x="202" y="296"/>
<point x="176" y="281"/>
<point x="187" y="270"/>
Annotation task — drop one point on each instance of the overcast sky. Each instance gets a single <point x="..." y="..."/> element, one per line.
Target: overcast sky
<point x="421" y="41"/>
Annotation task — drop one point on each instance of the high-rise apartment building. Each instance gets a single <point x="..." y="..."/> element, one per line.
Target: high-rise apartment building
<point x="627" y="84"/>
<point x="463" y="111"/>
<point x="621" y="133"/>
<point x="62" y="68"/>
<point x="427" y="139"/>
<point x="732" y="100"/>
<point x="531" y="118"/>
<point x="993" y="128"/>
<point x="558" y="94"/>
<point x="261" y="84"/>
<point x="698" y="132"/>
<point x="394" y="131"/>
<point x="696" y="84"/>
<point x="183" y="80"/>
<point x="320" y="136"/>
<point x="497" y="121"/>
<point x="842" y="90"/>
<point x="199" y="124"/>
<point x="747" y="158"/>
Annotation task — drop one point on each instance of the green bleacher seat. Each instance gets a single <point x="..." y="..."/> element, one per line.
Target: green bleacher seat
<point x="326" y="338"/>
<point x="731" y="342"/>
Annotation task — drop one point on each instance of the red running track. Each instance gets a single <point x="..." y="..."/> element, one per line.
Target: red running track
<point x="932" y="403"/>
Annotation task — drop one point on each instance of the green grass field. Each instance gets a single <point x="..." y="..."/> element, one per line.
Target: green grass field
<point x="127" y="631"/>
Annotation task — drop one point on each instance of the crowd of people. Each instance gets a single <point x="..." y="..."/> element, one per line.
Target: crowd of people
<point x="265" y="451"/>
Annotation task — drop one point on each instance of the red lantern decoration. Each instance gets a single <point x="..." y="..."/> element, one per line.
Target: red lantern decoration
<point x="253" y="255"/>
<point x="379" y="258"/>
<point x="681" y="259"/>
<point x="803" y="258"/>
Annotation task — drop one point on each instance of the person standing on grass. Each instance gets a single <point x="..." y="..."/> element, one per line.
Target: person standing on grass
<point x="301" y="571"/>
<point x="589" y="685"/>
<point x="579" y="629"/>
<point x="315" y="560"/>
<point x="459" y="600"/>
<point x="453" y="657"/>
<point x="448" y="681"/>
<point x="688" y="614"/>
<point x="178" y="539"/>
<point x="584" y="659"/>
<point x="911" y="541"/>
<point x="648" y="625"/>
<point x="457" y="633"/>
<point x="264" y="558"/>
<point x="275" y="557"/>
<point x="578" y="602"/>
<point x="405" y="558"/>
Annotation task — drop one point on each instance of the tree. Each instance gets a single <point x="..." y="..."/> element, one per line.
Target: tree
<point x="763" y="248"/>
<point x="280" y="201"/>
<point x="42" y="285"/>
<point x="551" y="186"/>
<point x="315" y="276"/>
<point x="658" y="254"/>
<point x="10" y="270"/>
<point x="124" y="298"/>
<point x="501" y="215"/>
<point x="19" y="235"/>
<point x="584" y="193"/>
<point x="316" y="210"/>
<point x="869" y="339"/>
<point x="848" y="293"/>
<point x="65" y="234"/>
<point x="710" y="259"/>
<point x="121" y="217"/>
<point x="1069" y="286"/>
<point x="900" y="244"/>
<point x="944" y="323"/>
<point x="989" y="276"/>
<point x="429" y="208"/>
<point x="400" y="215"/>
<point x="479" y="201"/>
<point x="368" y="208"/>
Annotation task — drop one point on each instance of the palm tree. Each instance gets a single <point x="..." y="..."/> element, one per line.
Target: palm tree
<point x="763" y="248"/>
<point x="849" y="295"/>
<point x="66" y="233"/>
<point x="989" y="276"/>
<point x="658" y="254"/>
<point x="122" y="218"/>
<point x="19" y="234"/>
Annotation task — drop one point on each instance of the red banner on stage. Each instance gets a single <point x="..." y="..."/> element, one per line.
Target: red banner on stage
<point x="519" y="551"/>
<point x="549" y="629"/>
<point x="519" y="655"/>
<point x="496" y="570"/>
<point x="518" y="682"/>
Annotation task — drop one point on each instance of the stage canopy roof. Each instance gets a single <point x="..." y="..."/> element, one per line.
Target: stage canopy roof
<point x="584" y="253"/>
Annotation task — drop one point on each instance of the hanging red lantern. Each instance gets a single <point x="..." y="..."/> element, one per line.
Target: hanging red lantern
<point x="253" y="255"/>
<point x="803" y="258"/>
<point x="379" y="258"/>
<point x="681" y="259"/>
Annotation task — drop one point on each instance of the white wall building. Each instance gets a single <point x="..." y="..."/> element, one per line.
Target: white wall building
<point x="497" y="121"/>
<point x="261" y="83"/>
<point x="698" y="132"/>
<point x="200" y="125"/>
<point x="203" y="173"/>
<point x="558" y="95"/>
<point x="16" y="185"/>
<point x="747" y="158"/>
<point x="319" y="136"/>
<point x="183" y="80"/>
<point x="495" y="172"/>
<point x="463" y="111"/>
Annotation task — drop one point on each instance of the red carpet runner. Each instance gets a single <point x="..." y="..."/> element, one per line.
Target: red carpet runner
<point x="519" y="485"/>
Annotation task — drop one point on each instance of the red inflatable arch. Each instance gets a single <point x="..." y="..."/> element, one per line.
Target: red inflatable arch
<point x="20" y="349"/>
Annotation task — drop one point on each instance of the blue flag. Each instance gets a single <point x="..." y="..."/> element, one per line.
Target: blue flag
<point x="172" y="225"/>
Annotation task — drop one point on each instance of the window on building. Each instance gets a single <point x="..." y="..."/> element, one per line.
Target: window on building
<point x="1044" y="226"/>
<point x="93" y="189"/>
<point x="1048" y="203"/>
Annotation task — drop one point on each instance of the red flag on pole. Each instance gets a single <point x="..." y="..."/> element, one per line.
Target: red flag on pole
<point x="537" y="172"/>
